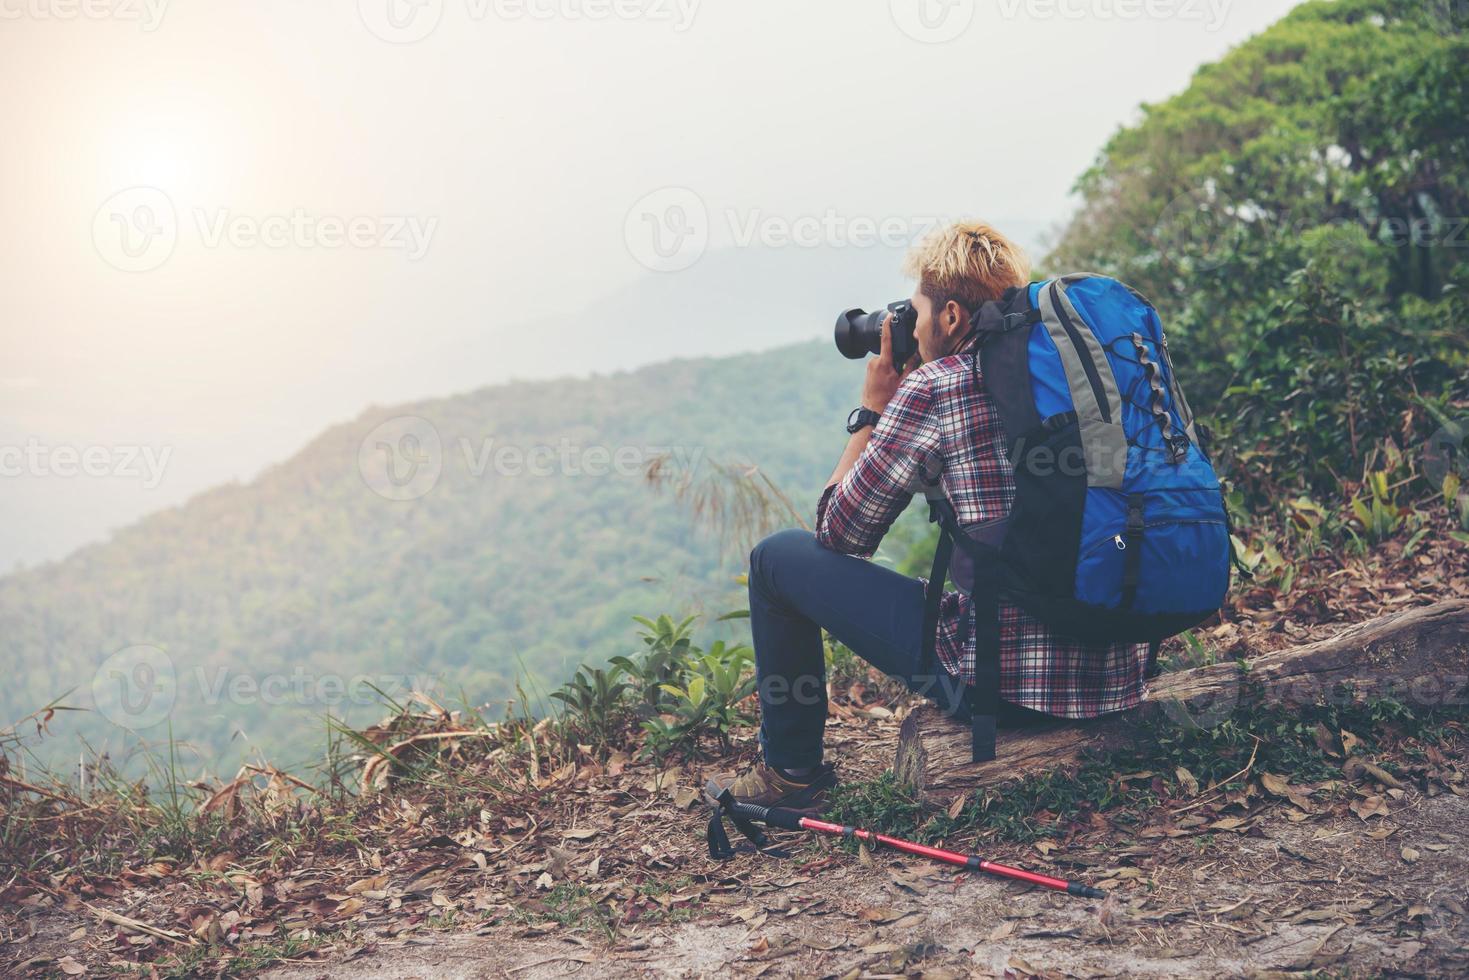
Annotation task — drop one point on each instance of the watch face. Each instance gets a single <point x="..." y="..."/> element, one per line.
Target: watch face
<point x="861" y="418"/>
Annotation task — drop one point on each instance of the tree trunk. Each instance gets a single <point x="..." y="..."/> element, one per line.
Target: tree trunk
<point x="1419" y="657"/>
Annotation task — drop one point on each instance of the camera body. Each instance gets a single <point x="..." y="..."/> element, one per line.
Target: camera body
<point x="859" y="333"/>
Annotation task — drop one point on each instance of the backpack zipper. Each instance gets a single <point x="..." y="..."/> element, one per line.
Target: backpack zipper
<point x="1117" y="541"/>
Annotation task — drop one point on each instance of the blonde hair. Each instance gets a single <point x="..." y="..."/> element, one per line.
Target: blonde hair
<point x="968" y="262"/>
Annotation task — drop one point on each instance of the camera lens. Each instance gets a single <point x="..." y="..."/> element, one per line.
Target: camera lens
<point x="859" y="333"/>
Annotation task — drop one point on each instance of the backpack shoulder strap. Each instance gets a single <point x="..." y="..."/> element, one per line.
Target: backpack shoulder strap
<point x="980" y="703"/>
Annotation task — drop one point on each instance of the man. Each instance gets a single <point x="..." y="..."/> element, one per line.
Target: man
<point x="931" y="422"/>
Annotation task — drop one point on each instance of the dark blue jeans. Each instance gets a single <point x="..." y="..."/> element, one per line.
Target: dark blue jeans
<point x="797" y="588"/>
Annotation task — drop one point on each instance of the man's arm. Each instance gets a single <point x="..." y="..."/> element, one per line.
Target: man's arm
<point x="878" y="388"/>
<point x="850" y="455"/>
<point x="879" y="470"/>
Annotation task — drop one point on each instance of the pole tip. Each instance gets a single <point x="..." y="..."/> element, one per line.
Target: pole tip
<point x="1084" y="891"/>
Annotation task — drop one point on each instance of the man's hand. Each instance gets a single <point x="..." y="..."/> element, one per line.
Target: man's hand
<point x="882" y="380"/>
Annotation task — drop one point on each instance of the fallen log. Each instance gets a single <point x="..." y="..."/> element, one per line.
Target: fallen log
<point x="1419" y="657"/>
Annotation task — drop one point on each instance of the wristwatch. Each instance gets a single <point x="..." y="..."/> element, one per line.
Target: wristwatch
<point x="861" y="418"/>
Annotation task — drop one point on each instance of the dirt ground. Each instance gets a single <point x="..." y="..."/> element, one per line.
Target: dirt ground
<point x="1280" y="897"/>
<point x="1275" y="891"/>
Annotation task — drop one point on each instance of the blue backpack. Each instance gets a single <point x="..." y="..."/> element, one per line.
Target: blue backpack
<point x="1119" y="531"/>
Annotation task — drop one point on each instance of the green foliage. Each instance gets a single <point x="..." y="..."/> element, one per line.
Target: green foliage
<point x="706" y="702"/>
<point x="881" y="804"/>
<point x="594" y="701"/>
<point x="1299" y="217"/>
<point x="679" y="693"/>
<point x="1378" y="514"/>
<point x="667" y="647"/>
<point x="306" y="572"/>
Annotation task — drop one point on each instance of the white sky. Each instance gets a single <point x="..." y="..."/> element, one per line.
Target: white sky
<point x="516" y="137"/>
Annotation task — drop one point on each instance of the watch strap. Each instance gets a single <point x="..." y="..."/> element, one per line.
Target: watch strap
<point x="861" y="418"/>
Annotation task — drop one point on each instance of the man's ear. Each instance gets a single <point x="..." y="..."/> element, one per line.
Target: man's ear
<point x="956" y="320"/>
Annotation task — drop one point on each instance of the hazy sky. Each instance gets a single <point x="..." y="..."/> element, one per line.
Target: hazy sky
<point x="229" y="225"/>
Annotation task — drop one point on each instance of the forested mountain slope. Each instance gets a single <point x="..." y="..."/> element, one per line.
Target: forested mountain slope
<point x="518" y="558"/>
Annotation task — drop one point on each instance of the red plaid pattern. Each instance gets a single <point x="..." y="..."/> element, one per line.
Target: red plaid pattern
<point x="940" y="423"/>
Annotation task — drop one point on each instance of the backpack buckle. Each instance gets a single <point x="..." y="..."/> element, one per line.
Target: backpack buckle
<point x="1178" y="448"/>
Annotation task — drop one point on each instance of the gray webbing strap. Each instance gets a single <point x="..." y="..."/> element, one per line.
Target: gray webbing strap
<point x="1104" y="442"/>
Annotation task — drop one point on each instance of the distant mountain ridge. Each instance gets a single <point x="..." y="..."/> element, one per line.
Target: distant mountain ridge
<point x="528" y="551"/>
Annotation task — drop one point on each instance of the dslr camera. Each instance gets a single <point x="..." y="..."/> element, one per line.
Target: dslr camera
<point x="859" y="333"/>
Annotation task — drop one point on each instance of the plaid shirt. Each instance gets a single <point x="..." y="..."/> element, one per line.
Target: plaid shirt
<point x="941" y="423"/>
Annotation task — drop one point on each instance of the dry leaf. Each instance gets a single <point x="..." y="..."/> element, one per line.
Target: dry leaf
<point x="374" y="884"/>
<point x="1372" y="806"/>
<point x="1275" y="785"/>
<point x="70" y="967"/>
<point x="1410" y="855"/>
<point x="1188" y="780"/>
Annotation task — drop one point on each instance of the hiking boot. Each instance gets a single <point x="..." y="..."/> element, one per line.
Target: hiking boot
<point x="763" y="785"/>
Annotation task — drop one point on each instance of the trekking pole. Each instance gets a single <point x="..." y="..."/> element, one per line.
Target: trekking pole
<point x="743" y="813"/>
